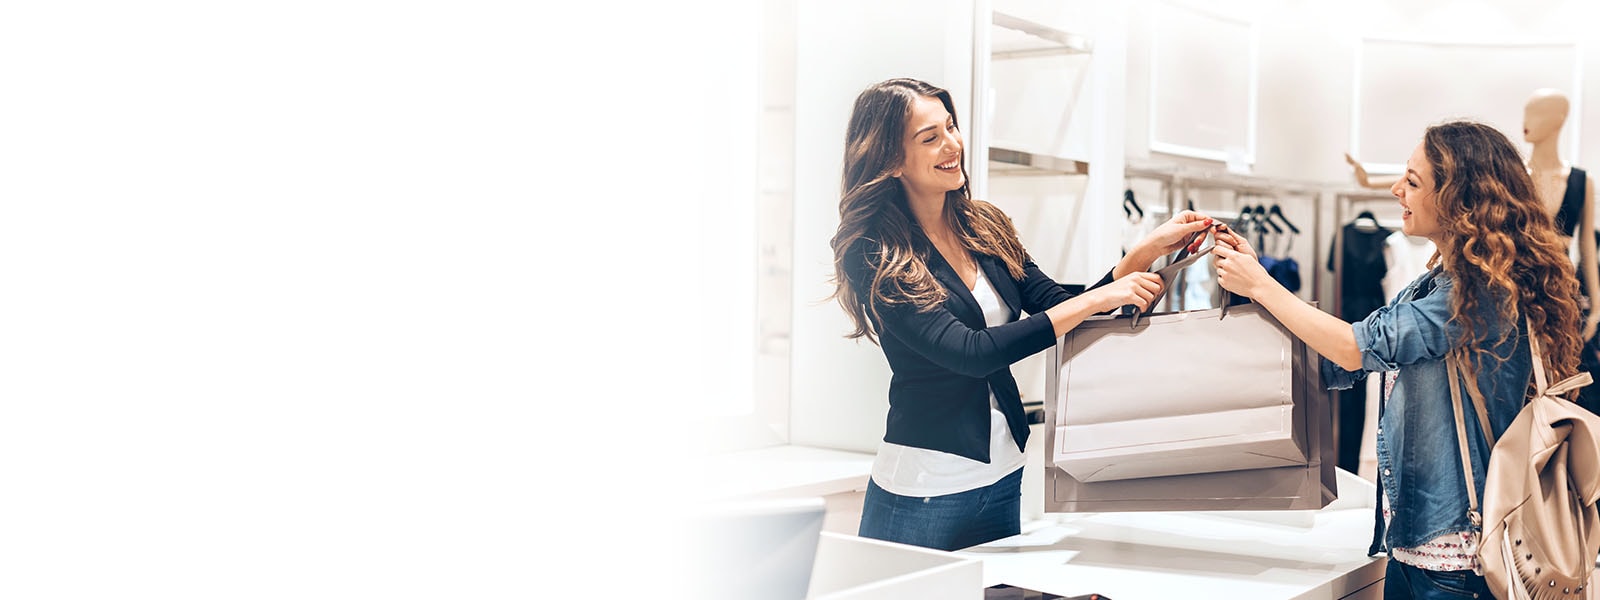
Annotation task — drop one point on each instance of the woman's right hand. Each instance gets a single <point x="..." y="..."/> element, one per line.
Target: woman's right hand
<point x="1238" y="269"/>
<point x="1139" y="289"/>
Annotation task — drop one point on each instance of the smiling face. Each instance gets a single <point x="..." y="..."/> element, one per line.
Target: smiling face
<point x="933" y="148"/>
<point x="1418" y="195"/>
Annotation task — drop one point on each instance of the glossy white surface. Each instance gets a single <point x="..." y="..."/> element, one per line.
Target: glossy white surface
<point x="855" y="568"/>
<point x="788" y="471"/>
<point x="1294" y="554"/>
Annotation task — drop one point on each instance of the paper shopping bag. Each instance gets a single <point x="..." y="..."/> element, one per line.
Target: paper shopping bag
<point x="1186" y="411"/>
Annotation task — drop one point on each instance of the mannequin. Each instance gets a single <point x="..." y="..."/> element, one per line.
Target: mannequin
<point x="1543" y="116"/>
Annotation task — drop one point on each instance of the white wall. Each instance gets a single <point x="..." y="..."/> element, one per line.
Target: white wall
<point x="323" y="299"/>
<point x="1307" y="57"/>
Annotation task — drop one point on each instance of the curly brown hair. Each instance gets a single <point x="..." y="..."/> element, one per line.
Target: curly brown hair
<point x="874" y="206"/>
<point x="1498" y="238"/>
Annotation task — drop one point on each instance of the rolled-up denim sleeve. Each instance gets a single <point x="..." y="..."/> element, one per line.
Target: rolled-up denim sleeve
<point x="1406" y="333"/>
<point x="1334" y="377"/>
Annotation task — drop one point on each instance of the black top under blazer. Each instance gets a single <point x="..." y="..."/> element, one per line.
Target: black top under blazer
<point x="946" y="360"/>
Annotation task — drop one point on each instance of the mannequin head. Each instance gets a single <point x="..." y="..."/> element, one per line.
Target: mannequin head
<point x="1543" y="116"/>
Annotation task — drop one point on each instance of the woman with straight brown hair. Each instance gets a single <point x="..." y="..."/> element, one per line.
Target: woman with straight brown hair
<point x="938" y="279"/>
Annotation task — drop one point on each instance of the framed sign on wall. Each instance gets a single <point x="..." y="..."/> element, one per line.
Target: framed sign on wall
<point x="1404" y="86"/>
<point x="1203" y="84"/>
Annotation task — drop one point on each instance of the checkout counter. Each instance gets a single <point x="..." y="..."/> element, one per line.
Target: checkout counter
<point x="1319" y="554"/>
<point x="1309" y="554"/>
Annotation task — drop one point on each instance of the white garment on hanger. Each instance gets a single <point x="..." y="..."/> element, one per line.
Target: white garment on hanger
<point x="1407" y="258"/>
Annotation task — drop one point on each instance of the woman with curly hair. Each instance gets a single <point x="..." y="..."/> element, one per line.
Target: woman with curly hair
<point x="1499" y="268"/>
<point x="937" y="279"/>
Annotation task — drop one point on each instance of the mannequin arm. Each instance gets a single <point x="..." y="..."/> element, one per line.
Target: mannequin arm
<point x="1362" y="179"/>
<point x="1588" y="270"/>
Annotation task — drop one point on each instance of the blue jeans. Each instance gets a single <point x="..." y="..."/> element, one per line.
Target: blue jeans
<point x="1403" y="582"/>
<point x="948" y="522"/>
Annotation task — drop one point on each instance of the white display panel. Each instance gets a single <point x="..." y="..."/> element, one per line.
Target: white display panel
<point x="1203" y="81"/>
<point x="1402" y="87"/>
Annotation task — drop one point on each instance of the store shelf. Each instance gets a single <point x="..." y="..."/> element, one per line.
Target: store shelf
<point x="1005" y="161"/>
<point x="1021" y="38"/>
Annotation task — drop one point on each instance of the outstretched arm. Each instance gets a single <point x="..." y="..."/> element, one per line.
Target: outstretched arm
<point x="1366" y="181"/>
<point x="1239" y="271"/>
<point x="1164" y="240"/>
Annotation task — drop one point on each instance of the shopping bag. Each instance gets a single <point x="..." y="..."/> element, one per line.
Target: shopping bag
<point x="1186" y="411"/>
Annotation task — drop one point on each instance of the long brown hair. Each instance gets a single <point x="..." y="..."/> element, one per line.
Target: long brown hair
<point x="1500" y="239"/>
<point x="873" y="206"/>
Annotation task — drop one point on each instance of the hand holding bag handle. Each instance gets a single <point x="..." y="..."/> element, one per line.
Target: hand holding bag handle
<point x="1169" y="273"/>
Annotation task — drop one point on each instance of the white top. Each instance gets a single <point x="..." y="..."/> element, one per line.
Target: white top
<point x="1407" y="258"/>
<point x="920" y="472"/>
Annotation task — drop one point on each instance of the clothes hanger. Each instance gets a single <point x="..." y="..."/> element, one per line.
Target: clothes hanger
<point x="1131" y="206"/>
<point x="1277" y="211"/>
<point x="1244" y="221"/>
<point x="1365" y="221"/>
<point x="1266" y="219"/>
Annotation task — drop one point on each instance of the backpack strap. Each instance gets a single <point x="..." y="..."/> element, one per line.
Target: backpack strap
<point x="1454" y="371"/>
<point x="1456" y="368"/>
<point x="1560" y="389"/>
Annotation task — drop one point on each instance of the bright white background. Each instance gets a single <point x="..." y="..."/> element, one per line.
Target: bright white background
<point x="331" y="299"/>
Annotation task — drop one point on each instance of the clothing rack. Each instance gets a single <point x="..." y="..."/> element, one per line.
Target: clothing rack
<point x="1164" y="177"/>
<point x="1277" y="190"/>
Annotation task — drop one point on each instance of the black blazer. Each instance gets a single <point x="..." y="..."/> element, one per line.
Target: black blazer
<point x="946" y="360"/>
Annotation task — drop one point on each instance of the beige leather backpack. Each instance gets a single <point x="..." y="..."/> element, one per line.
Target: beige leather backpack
<point x="1540" y="526"/>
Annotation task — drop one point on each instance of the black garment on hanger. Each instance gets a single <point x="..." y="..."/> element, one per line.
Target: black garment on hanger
<point x="1572" y="203"/>
<point x="1360" y="243"/>
<point x="1361" y="273"/>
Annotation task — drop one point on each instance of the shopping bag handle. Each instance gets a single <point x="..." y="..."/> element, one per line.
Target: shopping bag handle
<point x="1170" y="272"/>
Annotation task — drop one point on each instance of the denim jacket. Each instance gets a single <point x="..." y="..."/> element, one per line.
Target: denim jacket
<point x="1419" y="461"/>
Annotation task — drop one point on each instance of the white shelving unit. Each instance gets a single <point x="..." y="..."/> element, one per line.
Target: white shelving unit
<point x="1001" y="40"/>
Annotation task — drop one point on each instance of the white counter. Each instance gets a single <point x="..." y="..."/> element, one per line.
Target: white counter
<point x="1124" y="556"/>
<point x="783" y="471"/>
<point x="1132" y="556"/>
